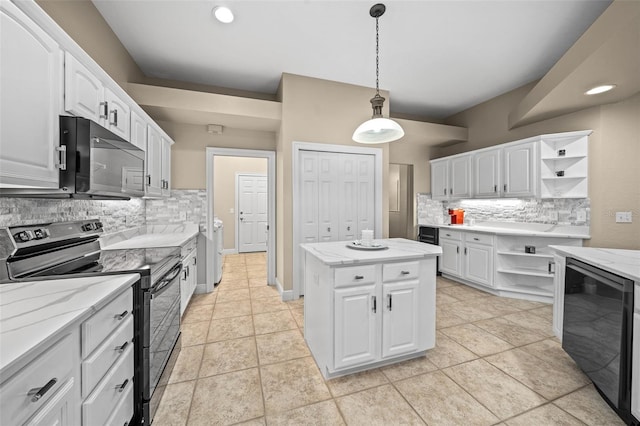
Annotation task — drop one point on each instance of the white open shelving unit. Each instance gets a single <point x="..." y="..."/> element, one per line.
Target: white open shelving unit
<point x="564" y="165"/>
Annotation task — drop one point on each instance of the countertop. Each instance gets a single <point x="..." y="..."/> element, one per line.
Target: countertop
<point x="337" y="253"/>
<point x="625" y="263"/>
<point x="520" y="229"/>
<point x="151" y="236"/>
<point x="33" y="313"/>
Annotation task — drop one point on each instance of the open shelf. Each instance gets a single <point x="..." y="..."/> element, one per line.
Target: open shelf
<point x="566" y="157"/>
<point x="519" y="253"/>
<point x="526" y="272"/>
<point x="564" y="178"/>
<point x="536" y="291"/>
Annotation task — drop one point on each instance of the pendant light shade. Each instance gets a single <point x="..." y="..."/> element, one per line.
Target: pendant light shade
<point x="378" y="129"/>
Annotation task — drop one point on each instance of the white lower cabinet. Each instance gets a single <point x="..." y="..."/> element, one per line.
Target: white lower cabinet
<point x="189" y="278"/>
<point x="558" y="295"/>
<point x="468" y="256"/>
<point x="362" y="317"/>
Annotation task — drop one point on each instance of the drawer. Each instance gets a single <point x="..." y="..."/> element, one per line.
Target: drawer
<point x="123" y="413"/>
<point x="107" y="319"/>
<point x="449" y="234"/>
<point x="99" y="362"/>
<point x="400" y="271"/>
<point x="475" y="237"/>
<point x="355" y="275"/>
<point x="53" y="367"/>
<point x="97" y="408"/>
<point x="188" y="248"/>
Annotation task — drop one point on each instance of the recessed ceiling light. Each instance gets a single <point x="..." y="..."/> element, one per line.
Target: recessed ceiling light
<point x="600" y="89"/>
<point x="223" y="14"/>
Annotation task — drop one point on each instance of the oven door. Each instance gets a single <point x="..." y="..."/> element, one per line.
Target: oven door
<point x="598" y="309"/>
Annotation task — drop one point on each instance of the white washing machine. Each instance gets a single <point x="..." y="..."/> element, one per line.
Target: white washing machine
<point x="218" y="246"/>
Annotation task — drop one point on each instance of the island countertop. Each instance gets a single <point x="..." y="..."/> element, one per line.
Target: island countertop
<point x="618" y="261"/>
<point x="337" y="253"/>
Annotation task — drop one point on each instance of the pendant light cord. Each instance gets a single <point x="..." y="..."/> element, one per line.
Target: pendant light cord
<point x="377" y="60"/>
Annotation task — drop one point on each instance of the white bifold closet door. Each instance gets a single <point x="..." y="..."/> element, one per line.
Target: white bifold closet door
<point x="337" y="195"/>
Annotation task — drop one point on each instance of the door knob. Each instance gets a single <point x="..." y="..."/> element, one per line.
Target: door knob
<point x="328" y="229"/>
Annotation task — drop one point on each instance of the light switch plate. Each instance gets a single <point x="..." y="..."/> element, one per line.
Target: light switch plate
<point x="553" y="215"/>
<point x="183" y="215"/>
<point x="581" y="216"/>
<point x="623" y="217"/>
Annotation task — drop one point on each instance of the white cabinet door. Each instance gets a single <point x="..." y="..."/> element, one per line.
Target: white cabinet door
<point x="355" y="327"/>
<point x="486" y="173"/>
<point x="30" y="100"/>
<point x="328" y="214"/>
<point x="558" y="295"/>
<point x="187" y="280"/>
<point x="478" y="263"/>
<point x="118" y="117"/>
<point x="400" y="321"/>
<point x="347" y="190"/>
<point x="308" y="197"/>
<point x="59" y="410"/>
<point x="450" y="260"/>
<point x="83" y="92"/>
<point x="460" y="177"/>
<point x="440" y="179"/>
<point x="138" y="131"/>
<point x="520" y="170"/>
<point x="166" y="167"/>
<point x="153" y="165"/>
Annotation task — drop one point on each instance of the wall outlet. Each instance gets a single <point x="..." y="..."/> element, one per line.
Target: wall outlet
<point x="183" y="215"/>
<point x="553" y="215"/>
<point x="623" y="217"/>
<point x="581" y="216"/>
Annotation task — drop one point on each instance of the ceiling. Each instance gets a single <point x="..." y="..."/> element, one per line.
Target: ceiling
<point x="436" y="57"/>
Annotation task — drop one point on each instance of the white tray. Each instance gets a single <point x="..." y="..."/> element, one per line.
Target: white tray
<point x="356" y="245"/>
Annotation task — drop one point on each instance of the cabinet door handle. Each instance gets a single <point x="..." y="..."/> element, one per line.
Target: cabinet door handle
<point x="105" y="110"/>
<point x="450" y="191"/>
<point x="149" y="180"/>
<point x="62" y="157"/>
<point x="184" y="274"/>
<point x="328" y="229"/>
<point x="505" y="187"/>
<point x="457" y="249"/>
<point x="551" y="268"/>
<point x="121" y="316"/>
<point x="195" y="260"/>
<point x="123" y="386"/>
<point x="389" y="299"/>
<point x="495" y="188"/>
<point x="123" y="347"/>
<point x="465" y="250"/>
<point x="37" y="393"/>
<point x="373" y="302"/>
<point x="348" y="228"/>
<point x="445" y="191"/>
<point x="115" y="118"/>
<point x="404" y="272"/>
<point x="358" y="277"/>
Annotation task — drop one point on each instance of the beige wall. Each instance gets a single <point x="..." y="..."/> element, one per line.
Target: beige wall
<point x="225" y="170"/>
<point x="614" y="151"/>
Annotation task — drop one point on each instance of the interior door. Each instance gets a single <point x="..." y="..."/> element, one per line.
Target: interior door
<point x="252" y="213"/>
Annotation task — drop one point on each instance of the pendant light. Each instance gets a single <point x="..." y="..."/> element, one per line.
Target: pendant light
<point x="378" y="129"/>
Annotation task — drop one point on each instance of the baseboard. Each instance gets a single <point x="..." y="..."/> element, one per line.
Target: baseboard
<point x="285" y="295"/>
<point x="230" y="251"/>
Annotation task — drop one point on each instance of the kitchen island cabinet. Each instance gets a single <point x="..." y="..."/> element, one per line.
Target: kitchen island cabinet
<point x="368" y="308"/>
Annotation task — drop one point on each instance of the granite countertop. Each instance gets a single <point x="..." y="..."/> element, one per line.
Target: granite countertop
<point x="520" y="229"/>
<point x="33" y="313"/>
<point x="151" y="236"/>
<point x="337" y="253"/>
<point x="621" y="262"/>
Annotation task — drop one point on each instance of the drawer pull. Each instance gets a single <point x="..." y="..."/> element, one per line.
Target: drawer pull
<point x="448" y="235"/>
<point x="121" y="316"/>
<point x="405" y="273"/>
<point x="123" y="386"/>
<point x="123" y="347"/>
<point x="359" y="277"/>
<point x="38" y="393"/>
<point x="476" y="239"/>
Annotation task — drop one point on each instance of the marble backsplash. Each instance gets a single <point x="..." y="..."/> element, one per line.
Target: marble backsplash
<point x="551" y="211"/>
<point x="192" y="202"/>
<point x="116" y="215"/>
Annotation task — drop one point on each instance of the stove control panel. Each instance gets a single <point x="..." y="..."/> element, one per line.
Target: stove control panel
<point x="31" y="234"/>
<point x="92" y="226"/>
<point x="46" y="233"/>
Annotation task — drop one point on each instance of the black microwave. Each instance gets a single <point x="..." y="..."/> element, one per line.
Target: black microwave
<point x="95" y="163"/>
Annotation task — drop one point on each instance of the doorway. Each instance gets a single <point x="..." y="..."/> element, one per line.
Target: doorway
<point x="217" y="158"/>
<point x="401" y="201"/>
<point x="251" y="205"/>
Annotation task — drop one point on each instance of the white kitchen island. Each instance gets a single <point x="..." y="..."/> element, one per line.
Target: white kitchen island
<point x="368" y="308"/>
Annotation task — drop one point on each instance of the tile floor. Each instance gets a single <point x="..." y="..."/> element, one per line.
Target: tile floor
<point x="244" y="361"/>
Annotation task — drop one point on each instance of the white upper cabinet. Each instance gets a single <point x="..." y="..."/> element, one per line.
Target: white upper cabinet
<point x="487" y="166"/>
<point x="520" y="173"/>
<point x="440" y="179"/>
<point x="30" y="102"/>
<point x="138" y="131"/>
<point x="83" y="92"/>
<point x="451" y="178"/>
<point x="564" y="165"/>
<point x="165" y="177"/>
<point x="86" y="96"/>
<point x="153" y="165"/>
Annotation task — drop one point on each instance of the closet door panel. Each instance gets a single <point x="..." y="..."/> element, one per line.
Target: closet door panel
<point x="347" y="196"/>
<point x="366" y="193"/>
<point x="328" y="217"/>
<point x="309" y="196"/>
